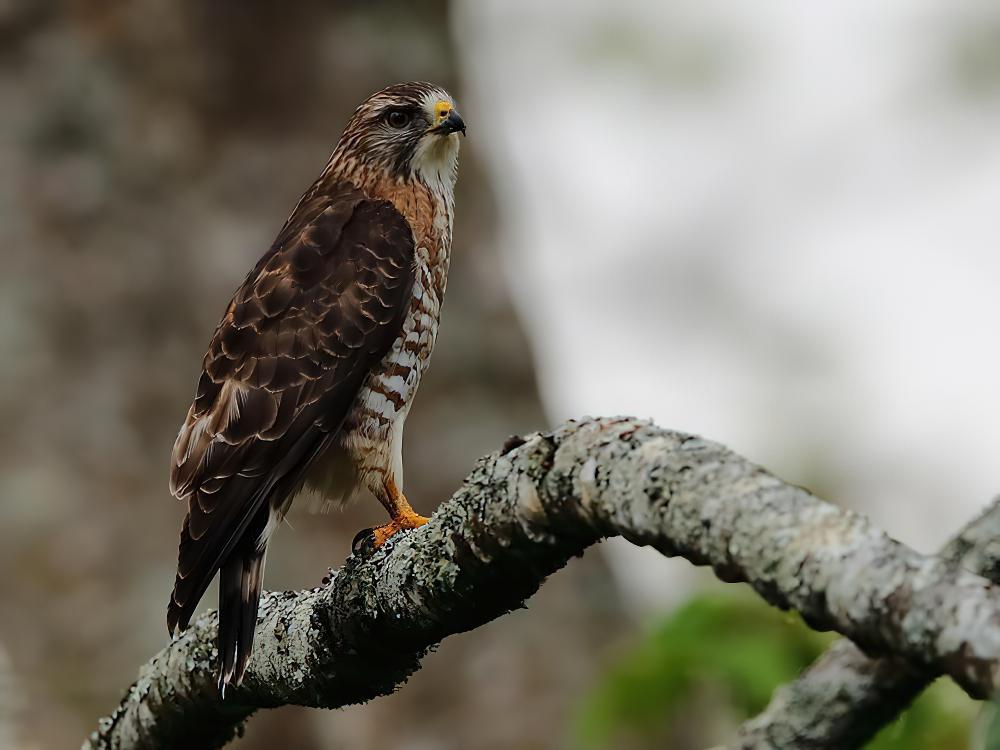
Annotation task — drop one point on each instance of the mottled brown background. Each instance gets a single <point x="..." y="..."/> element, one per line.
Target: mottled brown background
<point x="149" y="150"/>
<point x="771" y="224"/>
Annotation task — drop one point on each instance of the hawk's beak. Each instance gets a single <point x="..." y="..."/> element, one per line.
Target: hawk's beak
<point x="452" y="124"/>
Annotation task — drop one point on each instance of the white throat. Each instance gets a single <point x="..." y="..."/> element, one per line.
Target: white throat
<point x="435" y="162"/>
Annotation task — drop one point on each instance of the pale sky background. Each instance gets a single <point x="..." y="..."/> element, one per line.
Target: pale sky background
<point x="772" y="224"/>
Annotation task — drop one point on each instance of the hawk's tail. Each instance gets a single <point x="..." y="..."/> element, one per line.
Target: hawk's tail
<point x="240" y="565"/>
<point x="240" y="581"/>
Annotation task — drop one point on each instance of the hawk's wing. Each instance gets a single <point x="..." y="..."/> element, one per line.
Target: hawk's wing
<point x="300" y="335"/>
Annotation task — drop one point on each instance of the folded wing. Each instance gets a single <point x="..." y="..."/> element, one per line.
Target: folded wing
<point x="318" y="312"/>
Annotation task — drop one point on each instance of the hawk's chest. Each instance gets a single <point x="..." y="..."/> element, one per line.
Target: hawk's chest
<point x="429" y="214"/>
<point x="392" y="384"/>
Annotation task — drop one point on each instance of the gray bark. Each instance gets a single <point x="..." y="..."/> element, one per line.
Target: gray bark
<point x="846" y="697"/>
<point x="519" y="516"/>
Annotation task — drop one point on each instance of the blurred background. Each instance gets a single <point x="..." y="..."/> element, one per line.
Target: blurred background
<point x="770" y="224"/>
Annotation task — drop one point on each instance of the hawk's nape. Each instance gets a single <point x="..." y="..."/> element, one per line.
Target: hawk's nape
<point x="281" y="373"/>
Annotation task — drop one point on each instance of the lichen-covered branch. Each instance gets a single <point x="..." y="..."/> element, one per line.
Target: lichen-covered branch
<point x="845" y="697"/>
<point x="520" y="515"/>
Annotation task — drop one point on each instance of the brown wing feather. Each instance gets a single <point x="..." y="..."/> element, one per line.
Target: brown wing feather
<point x="319" y="310"/>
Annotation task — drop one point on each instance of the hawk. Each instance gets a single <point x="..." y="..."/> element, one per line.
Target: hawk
<point x="311" y="372"/>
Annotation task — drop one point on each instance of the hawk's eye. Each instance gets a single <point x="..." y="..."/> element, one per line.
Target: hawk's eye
<point x="398" y="119"/>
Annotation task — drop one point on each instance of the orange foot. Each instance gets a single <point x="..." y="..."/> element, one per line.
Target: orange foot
<point x="370" y="540"/>
<point x="409" y="520"/>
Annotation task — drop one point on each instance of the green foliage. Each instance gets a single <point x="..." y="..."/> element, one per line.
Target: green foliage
<point x="939" y="719"/>
<point x="991" y="725"/>
<point x="715" y="662"/>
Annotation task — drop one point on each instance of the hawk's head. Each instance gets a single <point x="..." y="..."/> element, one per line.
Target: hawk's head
<point x="404" y="131"/>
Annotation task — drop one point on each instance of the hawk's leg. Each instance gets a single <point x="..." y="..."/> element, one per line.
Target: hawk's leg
<point x="402" y="514"/>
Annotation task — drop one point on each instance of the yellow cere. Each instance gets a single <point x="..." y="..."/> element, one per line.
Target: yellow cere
<point x="442" y="109"/>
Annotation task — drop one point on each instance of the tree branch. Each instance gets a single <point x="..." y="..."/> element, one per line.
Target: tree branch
<point x="846" y="697"/>
<point x="520" y="516"/>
